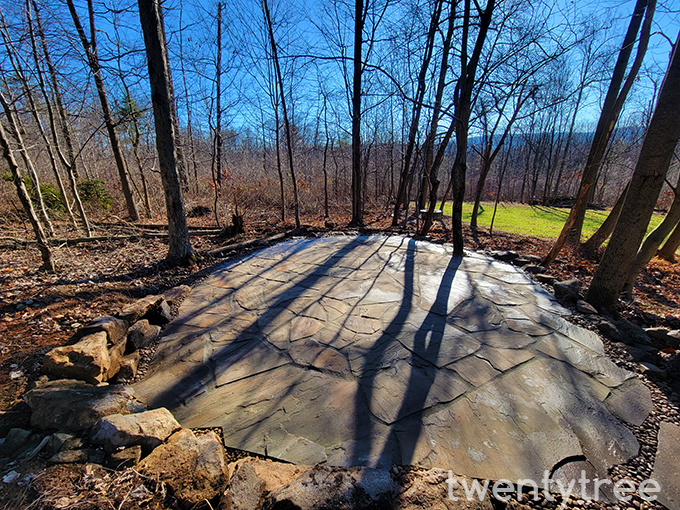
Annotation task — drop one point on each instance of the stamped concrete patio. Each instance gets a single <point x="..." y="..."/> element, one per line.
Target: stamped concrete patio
<point x="384" y="350"/>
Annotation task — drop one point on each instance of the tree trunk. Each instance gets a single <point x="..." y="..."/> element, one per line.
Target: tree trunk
<point x="652" y="242"/>
<point x="648" y="179"/>
<point x="16" y="132"/>
<point x="90" y="48"/>
<point x="286" y="123"/>
<point x="357" y="199"/>
<point x="218" y="102"/>
<point x="150" y="15"/>
<point x="407" y="169"/>
<point x="613" y="103"/>
<point x="464" y="89"/>
<point x="68" y="161"/>
<point x="605" y="230"/>
<point x="40" y="237"/>
<point x="667" y="252"/>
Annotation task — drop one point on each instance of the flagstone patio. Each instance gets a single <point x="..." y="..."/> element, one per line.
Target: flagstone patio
<point x="376" y="351"/>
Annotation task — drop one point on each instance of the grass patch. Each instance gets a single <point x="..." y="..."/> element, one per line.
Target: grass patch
<point x="536" y="221"/>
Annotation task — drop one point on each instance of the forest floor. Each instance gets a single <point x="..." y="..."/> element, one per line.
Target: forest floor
<point x="41" y="310"/>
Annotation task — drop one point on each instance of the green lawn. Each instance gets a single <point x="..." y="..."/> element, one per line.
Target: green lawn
<point x="535" y="221"/>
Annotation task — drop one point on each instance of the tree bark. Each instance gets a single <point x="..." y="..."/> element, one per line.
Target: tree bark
<point x="667" y="252"/>
<point x="613" y="103"/>
<point x="648" y="179"/>
<point x="605" y="230"/>
<point x="150" y="15"/>
<point x="652" y="242"/>
<point x="90" y="48"/>
<point x="286" y="123"/>
<point x="357" y="199"/>
<point x="40" y="237"/>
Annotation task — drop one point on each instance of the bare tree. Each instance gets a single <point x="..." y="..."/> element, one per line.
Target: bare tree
<point x="151" y="16"/>
<point x="648" y="179"/>
<point x="611" y="109"/>
<point x="40" y="237"/>
<point x="90" y="48"/>
<point x="286" y="120"/>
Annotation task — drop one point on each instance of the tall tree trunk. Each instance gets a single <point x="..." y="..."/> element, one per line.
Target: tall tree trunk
<point x="652" y="242"/>
<point x="40" y="237"/>
<point x="151" y="15"/>
<point x="190" y="132"/>
<point x="464" y="88"/>
<point x="28" y="163"/>
<point x="606" y="229"/>
<point x="667" y="251"/>
<point x="430" y="181"/>
<point x="613" y="104"/>
<point x="406" y="173"/>
<point x="357" y="199"/>
<point x="68" y="161"/>
<point x="90" y="48"/>
<point x="286" y="123"/>
<point x="648" y="179"/>
<point x="218" y="101"/>
<point x="179" y="146"/>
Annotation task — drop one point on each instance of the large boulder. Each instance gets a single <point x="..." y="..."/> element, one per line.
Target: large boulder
<point x="666" y="467"/>
<point x="88" y="360"/>
<point x="141" y="334"/>
<point x="246" y="490"/>
<point x="331" y="487"/>
<point x="147" y="429"/>
<point x="114" y="328"/>
<point x="567" y="290"/>
<point x="174" y="294"/>
<point x="192" y="466"/>
<point x="147" y="307"/>
<point x="75" y="406"/>
<point x="128" y="366"/>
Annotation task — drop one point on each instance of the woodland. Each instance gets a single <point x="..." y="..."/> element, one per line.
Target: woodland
<point x="143" y="143"/>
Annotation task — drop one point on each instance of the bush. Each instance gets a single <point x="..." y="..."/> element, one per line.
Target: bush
<point x="52" y="197"/>
<point x="94" y="192"/>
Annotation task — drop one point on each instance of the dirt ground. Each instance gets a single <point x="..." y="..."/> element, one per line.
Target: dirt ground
<point x="40" y="311"/>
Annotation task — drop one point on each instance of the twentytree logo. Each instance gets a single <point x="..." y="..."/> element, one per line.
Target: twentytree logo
<point x="504" y="489"/>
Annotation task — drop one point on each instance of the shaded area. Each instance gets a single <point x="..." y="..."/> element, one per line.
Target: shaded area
<point x="384" y="350"/>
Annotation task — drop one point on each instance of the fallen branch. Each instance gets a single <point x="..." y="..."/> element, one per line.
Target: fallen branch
<point x="222" y="250"/>
<point x="78" y="240"/>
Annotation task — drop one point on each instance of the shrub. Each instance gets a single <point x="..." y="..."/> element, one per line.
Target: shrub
<point x="93" y="191"/>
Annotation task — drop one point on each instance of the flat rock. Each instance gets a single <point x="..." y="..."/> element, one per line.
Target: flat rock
<point x="174" y="294"/>
<point x="88" y="360"/>
<point x="126" y="458"/>
<point x="142" y="334"/>
<point x="115" y="328"/>
<point x="327" y="487"/>
<point x="147" y="429"/>
<point x="273" y="474"/>
<point x="245" y="491"/>
<point x="377" y="351"/>
<point x="192" y="466"/>
<point x="74" y="406"/>
<point x="631" y="402"/>
<point x="666" y="468"/>
<point x="136" y="310"/>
